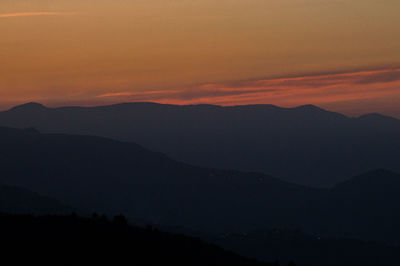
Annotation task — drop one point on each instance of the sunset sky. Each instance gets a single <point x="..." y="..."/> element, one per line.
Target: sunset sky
<point x="343" y="55"/>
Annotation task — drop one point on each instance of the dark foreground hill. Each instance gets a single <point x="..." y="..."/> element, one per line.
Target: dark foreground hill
<point x="69" y="240"/>
<point x="112" y="177"/>
<point x="305" y="145"/>
<point x="275" y="245"/>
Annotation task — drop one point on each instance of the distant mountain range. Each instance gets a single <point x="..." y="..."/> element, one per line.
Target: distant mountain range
<point x="305" y="145"/>
<point x="112" y="177"/>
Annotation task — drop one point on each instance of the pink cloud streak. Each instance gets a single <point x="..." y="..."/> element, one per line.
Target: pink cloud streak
<point x="315" y="89"/>
<point x="33" y="14"/>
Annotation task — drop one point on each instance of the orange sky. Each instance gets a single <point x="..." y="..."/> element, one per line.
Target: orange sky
<point x="202" y="51"/>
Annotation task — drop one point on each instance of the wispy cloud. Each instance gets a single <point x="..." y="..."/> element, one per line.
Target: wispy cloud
<point x="290" y="91"/>
<point x="141" y="94"/>
<point x="34" y="14"/>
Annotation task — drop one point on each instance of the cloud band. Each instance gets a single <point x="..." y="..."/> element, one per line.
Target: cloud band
<point x="34" y="14"/>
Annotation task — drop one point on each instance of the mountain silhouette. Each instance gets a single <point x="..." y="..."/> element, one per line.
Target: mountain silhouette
<point x="108" y="176"/>
<point x="32" y="106"/>
<point x="305" y="145"/>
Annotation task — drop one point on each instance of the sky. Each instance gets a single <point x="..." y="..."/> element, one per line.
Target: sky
<point x="343" y="55"/>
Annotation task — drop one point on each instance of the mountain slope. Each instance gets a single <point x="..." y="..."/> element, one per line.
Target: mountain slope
<point x="366" y="207"/>
<point x="305" y="145"/>
<point x="103" y="175"/>
<point x="18" y="200"/>
<point x="113" y="177"/>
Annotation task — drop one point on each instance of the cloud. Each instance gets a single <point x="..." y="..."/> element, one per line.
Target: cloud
<point x="33" y="14"/>
<point x="141" y="94"/>
<point x="115" y="94"/>
<point x="287" y="91"/>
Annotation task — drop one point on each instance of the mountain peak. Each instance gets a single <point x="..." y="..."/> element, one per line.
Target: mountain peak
<point x="309" y="107"/>
<point x="375" y="178"/>
<point x="29" y="106"/>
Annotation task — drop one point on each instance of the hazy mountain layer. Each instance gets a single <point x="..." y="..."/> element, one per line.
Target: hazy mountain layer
<point x="305" y="145"/>
<point x="108" y="176"/>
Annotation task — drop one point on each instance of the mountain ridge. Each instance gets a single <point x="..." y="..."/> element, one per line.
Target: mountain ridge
<point x="308" y="107"/>
<point x="305" y="145"/>
<point x="38" y="105"/>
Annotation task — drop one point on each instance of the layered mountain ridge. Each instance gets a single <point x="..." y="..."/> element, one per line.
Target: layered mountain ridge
<point x="305" y="145"/>
<point x="113" y="177"/>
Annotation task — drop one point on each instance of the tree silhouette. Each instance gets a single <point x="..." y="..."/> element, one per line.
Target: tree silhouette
<point x="120" y="220"/>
